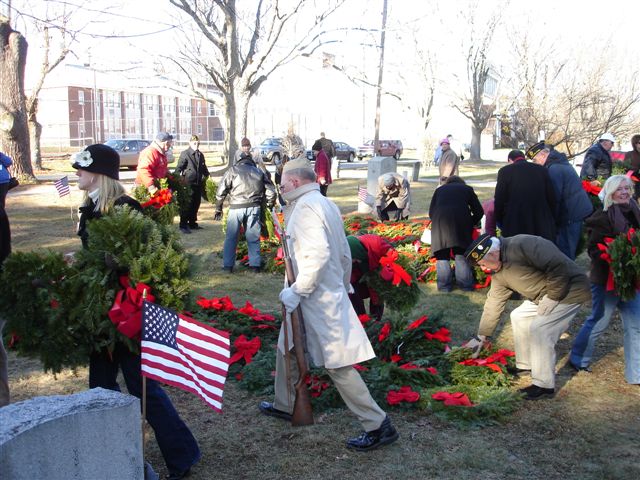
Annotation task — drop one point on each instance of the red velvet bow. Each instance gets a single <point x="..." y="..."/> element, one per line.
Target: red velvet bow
<point x="384" y="332"/>
<point x="405" y="394"/>
<point x="391" y="271"/>
<point x="417" y="323"/>
<point x="442" y="335"/>
<point x="450" y="399"/>
<point x="223" y="303"/>
<point x="245" y="349"/>
<point x="256" y="314"/>
<point x="160" y="199"/>
<point x="591" y="189"/>
<point x="126" y="312"/>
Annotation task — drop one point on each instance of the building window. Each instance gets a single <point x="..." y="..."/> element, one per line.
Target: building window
<point x="199" y="129"/>
<point x="81" y="97"/>
<point x="218" y="135"/>
<point x="198" y="108"/>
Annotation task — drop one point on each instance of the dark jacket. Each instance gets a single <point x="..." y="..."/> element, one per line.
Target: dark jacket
<point x="192" y="166"/>
<point x="572" y="202"/>
<point x="597" y="163"/>
<point x="454" y="210"/>
<point x="328" y="147"/>
<point x="525" y="201"/>
<point x="533" y="267"/>
<point x="88" y="213"/>
<point x="598" y="227"/>
<point x="246" y="186"/>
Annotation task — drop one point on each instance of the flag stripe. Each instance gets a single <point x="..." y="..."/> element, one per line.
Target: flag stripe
<point x="178" y="370"/>
<point x="162" y="356"/>
<point x="62" y="186"/>
<point x="185" y="353"/>
<point x="181" y="383"/>
<point x="362" y="194"/>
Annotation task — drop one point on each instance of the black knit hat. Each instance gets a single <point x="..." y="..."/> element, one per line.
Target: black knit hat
<point x="98" y="158"/>
<point x="515" y="155"/>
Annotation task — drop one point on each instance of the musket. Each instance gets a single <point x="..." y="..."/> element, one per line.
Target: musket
<point x="302" y="412"/>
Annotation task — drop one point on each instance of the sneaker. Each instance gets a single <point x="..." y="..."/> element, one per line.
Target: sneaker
<point x="384" y="435"/>
<point x="534" y="392"/>
<point x="580" y="369"/>
<point x="266" y="408"/>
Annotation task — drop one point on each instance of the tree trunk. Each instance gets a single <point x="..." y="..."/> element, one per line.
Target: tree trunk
<point x="35" y="132"/>
<point x="14" y="134"/>
<point x="474" y="150"/>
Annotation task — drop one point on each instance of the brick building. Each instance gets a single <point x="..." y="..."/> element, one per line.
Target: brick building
<point x="79" y="106"/>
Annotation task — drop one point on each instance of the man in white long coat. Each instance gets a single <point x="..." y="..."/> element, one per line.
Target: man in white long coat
<point x="321" y="260"/>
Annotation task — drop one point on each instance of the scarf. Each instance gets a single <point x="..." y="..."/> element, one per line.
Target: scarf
<point x="623" y="216"/>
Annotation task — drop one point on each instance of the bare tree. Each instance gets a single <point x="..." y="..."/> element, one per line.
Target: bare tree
<point x="472" y="105"/>
<point x="237" y="52"/>
<point x="571" y="100"/>
<point x="14" y="135"/>
<point x="49" y="62"/>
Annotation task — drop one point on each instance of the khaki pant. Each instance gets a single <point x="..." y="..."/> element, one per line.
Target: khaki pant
<point x="347" y="380"/>
<point x="535" y="339"/>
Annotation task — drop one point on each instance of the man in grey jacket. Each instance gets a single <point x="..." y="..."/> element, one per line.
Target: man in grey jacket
<point x="554" y="288"/>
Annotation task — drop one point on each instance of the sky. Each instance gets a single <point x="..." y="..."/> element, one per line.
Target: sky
<point x="120" y="35"/>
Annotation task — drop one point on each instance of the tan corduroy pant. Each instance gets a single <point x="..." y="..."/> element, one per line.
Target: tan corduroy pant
<point x="347" y="380"/>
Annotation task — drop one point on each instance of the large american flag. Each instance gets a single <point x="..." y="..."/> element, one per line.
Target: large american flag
<point x="185" y="353"/>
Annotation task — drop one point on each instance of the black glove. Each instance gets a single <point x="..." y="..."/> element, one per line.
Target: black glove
<point x="461" y="157"/>
<point x="217" y="215"/>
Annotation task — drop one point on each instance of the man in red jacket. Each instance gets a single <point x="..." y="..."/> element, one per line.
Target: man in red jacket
<point x="152" y="163"/>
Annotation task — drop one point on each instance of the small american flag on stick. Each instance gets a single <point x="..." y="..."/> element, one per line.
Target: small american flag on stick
<point x="185" y="353"/>
<point x="362" y="194"/>
<point x="62" y="186"/>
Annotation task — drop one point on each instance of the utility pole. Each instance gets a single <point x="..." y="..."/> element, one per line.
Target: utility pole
<point x="376" y="137"/>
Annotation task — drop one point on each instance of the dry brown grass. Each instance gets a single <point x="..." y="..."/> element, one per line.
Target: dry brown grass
<point x="589" y="431"/>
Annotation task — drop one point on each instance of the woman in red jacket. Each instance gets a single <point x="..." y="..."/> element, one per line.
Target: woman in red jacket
<point x="366" y="252"/>
<point x="322" y="167"/>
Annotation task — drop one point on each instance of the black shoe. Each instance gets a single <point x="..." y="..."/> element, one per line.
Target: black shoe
<point x="185" y="229"/>
<point x="580" y="369"/>
<point x="384" y="435"/>
<point x="267" y="409"/>
<point x="534" y="392"/>
<point x="195" y="227"/>
<point x="179" y="475"/>
<point x="227" y="269"/>
<point x="519" y="372"/>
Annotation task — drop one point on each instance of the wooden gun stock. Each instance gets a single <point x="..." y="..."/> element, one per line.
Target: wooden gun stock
<point x="302" y="411"/>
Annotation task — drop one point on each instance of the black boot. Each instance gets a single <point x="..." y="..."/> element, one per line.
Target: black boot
<point x="384" y="435"/>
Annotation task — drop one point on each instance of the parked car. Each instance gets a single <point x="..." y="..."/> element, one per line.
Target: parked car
<point x="129" y="150"/>
<point x="271" y="150"/>
<point x="343" y="152"/>
<point x="386" y="148"/>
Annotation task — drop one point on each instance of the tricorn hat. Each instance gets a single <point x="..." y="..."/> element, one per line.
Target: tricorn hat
<point x="478" y="248"/>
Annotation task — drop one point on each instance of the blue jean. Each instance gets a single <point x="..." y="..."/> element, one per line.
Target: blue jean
<point x="568" y="238"/>
<point x="249" y="218"/>
<point x="178" y="446"/>
<point x="444" y="275"/>
<point x="603" y="305"/>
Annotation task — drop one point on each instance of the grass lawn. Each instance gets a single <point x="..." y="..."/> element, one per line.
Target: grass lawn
<point x="588" y="431"/>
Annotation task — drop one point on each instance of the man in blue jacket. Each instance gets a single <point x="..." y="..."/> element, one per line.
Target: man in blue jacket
<point x="572" y="202"/>
<point x="597" y="160"/>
